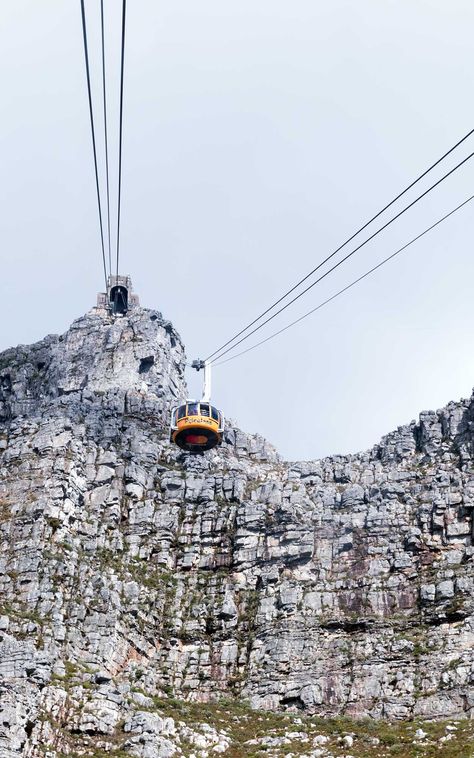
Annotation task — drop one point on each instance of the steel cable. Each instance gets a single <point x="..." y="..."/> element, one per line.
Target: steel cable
<point x="346" y="257"/>
<point x="349" y="286"/>
<point x="91" y="113"/>
<point x="106" y="141"/>
<point x="305" y="278"/>
<point x="120" y="134"/>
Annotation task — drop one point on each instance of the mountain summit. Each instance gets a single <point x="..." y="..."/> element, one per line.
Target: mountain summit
<point x="131" y="572"/>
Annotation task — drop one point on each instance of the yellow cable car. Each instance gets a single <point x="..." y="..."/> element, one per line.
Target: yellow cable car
<point x="197" y="426"/>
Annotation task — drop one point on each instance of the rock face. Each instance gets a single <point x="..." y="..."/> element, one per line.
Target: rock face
<point x="130" y="570"/>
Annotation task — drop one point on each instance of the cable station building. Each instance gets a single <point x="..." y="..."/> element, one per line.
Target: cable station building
<point x="119" y="297"/>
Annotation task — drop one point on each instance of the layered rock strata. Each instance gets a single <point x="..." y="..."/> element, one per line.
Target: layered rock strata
<point x="339" y="586"/>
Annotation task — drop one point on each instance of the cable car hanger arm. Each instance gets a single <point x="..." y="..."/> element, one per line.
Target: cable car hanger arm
<point x="206" y="390"/>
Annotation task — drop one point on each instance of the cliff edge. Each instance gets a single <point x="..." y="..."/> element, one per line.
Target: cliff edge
<point x="131" y="572"/>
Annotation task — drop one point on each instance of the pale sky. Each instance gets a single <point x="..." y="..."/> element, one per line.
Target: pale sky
<point x="258" y="135"/>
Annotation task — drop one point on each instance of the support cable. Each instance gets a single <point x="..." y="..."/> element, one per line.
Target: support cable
<point x="120" y="133"/>
<point x="91" y="113"/>
<point x="346" y="257"/>
<point x="104" y="94"/>
<point x="349" y="286"/>
<point x="301" y="281"/>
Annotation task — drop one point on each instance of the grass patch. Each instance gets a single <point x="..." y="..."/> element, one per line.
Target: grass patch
<point x="256" y="734"/>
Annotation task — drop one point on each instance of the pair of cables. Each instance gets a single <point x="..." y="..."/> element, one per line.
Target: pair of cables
<point x="106" y="138"/>
<point x="247" y="331"/>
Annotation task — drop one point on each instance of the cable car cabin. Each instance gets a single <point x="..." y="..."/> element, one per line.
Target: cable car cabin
<point x="196" y="426"/>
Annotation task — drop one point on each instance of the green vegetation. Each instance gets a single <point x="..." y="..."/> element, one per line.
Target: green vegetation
<point x="241" y="723"/>
<point x="290" y="734"/>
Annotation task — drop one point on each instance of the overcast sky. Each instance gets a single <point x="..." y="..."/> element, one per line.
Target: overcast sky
<point x="258" y="135"/>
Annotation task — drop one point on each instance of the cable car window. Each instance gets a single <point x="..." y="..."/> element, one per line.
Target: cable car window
<point x="193" y="409"/>
<point x="214" y="413"/>
<point x="204" y="409"/>
<point x="181" y="411"/>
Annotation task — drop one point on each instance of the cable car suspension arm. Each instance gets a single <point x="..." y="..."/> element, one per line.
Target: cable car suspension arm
<point x="206" y="390"/>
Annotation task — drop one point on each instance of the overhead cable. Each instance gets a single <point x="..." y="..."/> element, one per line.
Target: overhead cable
<point x="305" y="278"/>
<point x="120" y="133"/>
<point x="349" y="286"/>
<point x="91" y="113"/>
<point x="106" y="140"/>
<point x="346" y="257"/>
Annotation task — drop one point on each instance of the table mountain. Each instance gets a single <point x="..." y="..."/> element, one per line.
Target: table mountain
<point x="132" y="573"/>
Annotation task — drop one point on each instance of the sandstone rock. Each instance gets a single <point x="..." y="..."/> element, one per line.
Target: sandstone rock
<point x="128" y="569"/>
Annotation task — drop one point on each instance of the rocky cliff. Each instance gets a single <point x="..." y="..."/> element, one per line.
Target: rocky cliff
<point x="131" y="572"/>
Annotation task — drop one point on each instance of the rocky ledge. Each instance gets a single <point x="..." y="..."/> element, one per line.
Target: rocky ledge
<point x="131" y="573"/>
